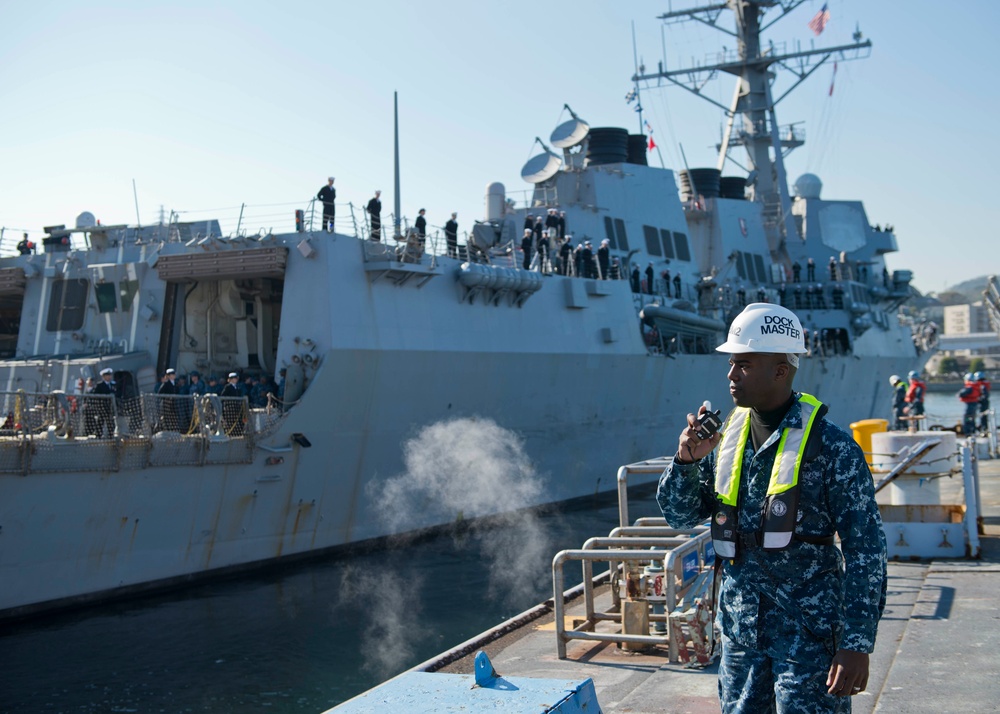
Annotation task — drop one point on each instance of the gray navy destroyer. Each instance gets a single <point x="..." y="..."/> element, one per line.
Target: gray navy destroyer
<point x="102" y="495"/>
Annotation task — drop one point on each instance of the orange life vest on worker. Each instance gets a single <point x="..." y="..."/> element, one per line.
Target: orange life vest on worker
<point x="916" y="391"/>
<point x="970" y="392"/>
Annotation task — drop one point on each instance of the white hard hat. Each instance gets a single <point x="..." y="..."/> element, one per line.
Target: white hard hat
<point x="763" y="327"/>
<point x="893" y="379"/>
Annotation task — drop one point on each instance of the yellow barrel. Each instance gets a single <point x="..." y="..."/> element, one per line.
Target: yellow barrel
<point x="863" y="431"/>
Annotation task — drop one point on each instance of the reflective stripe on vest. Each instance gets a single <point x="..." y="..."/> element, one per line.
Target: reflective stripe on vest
<point x="782" y="485"/>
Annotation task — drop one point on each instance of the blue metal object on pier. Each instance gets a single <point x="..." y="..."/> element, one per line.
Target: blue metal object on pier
<point x="435" y="693"/>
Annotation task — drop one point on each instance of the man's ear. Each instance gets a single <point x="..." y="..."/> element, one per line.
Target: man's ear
<point x="781" y="370"/>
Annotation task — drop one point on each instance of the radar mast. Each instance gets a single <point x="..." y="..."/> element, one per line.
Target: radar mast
<point x="755" y="70"/>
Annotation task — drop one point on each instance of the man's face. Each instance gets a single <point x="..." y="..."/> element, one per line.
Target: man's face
<point x="106" y="377"/>
<point x="754" y="379"/>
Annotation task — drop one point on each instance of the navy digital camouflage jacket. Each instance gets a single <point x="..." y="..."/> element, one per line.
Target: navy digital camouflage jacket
<point x="836" y="594"/>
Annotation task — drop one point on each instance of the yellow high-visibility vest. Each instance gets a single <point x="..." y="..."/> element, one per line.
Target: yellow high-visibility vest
<point x="781" y="505"/>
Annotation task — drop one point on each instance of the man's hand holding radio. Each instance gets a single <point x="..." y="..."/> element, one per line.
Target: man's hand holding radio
<point x="700" y="436"/>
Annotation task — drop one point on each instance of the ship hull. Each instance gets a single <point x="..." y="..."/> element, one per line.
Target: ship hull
<point x="80" y="536"/>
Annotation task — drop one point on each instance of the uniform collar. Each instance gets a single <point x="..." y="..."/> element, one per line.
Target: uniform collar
<point x="791" y="420"/>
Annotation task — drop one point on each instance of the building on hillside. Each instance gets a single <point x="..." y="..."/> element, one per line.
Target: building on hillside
<point x="968" y="334"/>
<point x="966" y="319"/>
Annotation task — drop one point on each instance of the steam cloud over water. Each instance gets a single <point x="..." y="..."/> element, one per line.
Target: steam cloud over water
<point x="457" y="470"/>
<point x="392" y="619"/>
<point x="461" y="468"/>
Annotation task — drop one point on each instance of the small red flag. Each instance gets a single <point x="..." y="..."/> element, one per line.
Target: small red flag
<point x="652" y="144"/>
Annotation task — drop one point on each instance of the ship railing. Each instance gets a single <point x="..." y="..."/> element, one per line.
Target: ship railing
<point x="260" y="219"/>
<point x="245" y="221"/>
<point x="539" y="198"/>
<point x="51" y="432"/>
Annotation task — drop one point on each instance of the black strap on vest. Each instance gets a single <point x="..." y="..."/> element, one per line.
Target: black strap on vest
<point x="754" y="539"/>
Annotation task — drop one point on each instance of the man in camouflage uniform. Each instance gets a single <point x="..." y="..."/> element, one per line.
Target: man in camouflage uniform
<point x="798" y="615"/>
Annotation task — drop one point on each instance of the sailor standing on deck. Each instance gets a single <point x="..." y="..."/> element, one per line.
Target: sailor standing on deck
<point x="104" y="409"/>
<point x="25" y="246"/>
<point x="526" y="242"/>
<point x="898" y="402"/>
<point x="375" y="216"/>
<point x="232" y="408"/>
<point x="421" y="224"/>
<point x="451" y="235"/>
<point x="552" y="221"/>
<point x="915" y="395"/>
<point x="328" y="194"/>
<point x="798" y="615"/>
<point x="168" y="405"/>
<point x="969" y="396"/>
<point x="542" y="252"/>
<point x="587" y="255"/>
<point x="604" y="259"/>
<point x="566" y="256"/>
<point x="196" y="388"/>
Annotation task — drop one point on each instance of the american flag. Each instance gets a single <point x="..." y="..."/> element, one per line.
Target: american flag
<point x="818" y="23"/>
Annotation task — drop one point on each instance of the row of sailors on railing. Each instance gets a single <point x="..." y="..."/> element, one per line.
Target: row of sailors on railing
<point x="839" y="271"/>
<point x="171" y="410"/>
<point x="797" y="296"/>
<point x="106" y="416"/>
<point x="259" y="391"/>
<point x="552" y="255"/>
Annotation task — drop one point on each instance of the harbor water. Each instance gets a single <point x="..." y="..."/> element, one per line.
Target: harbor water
<point x="299" y="638"/>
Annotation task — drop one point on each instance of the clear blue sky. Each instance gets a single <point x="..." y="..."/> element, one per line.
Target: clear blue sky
<point x="209" y="105"/>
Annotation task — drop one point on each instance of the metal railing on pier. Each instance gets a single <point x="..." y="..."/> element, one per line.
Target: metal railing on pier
<point x="677" y="563"/>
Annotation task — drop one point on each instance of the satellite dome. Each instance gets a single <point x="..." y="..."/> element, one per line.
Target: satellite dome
<point x="807" y="186"/>
<point x="86" y="220"/>
<point x="570" y="133"/>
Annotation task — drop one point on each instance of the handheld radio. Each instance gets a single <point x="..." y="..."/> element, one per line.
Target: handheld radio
<point x="709" y="422"/>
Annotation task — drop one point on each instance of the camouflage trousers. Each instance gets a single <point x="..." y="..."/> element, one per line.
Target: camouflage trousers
<point x="784" y="674"/>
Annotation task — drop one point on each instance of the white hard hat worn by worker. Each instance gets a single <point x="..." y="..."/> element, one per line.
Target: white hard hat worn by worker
<point x="893" y="379"/>
<point x="763" y="327"/>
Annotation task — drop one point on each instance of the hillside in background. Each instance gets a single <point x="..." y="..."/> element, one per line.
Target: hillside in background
<point x="963" y="293"/>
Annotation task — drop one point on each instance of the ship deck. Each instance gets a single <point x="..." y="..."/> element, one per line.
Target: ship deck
<point x="936" y="647"/>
